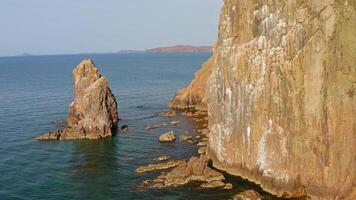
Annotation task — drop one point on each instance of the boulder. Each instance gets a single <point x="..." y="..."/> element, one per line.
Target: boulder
<point x="168" y="137"/>
<point x="93" y="113"/>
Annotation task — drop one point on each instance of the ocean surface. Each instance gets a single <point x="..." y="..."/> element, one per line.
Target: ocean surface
<point x="35" y="93"/>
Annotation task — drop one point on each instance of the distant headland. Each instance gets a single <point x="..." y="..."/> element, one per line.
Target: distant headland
<point x="181" y="48"/>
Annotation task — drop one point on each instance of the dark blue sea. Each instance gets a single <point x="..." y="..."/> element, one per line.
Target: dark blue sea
<point x="35" y="93"/>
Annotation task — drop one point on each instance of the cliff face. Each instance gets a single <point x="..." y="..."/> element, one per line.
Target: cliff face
<point x="281" y="95"/>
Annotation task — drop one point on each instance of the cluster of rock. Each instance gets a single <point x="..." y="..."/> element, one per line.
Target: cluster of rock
<point x="196" y="169"/>
<point x="93" y="113"/>
<point x="280" y="92"/>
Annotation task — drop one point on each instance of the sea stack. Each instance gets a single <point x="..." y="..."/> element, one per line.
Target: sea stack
<point x="93" y="113"/>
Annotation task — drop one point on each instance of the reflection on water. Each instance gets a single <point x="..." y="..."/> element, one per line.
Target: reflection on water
<point x="94" y="164"/>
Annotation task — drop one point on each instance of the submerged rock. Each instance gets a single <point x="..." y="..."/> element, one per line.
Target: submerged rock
<point x="185" y="137"/>
<point x="175" y="122"/>
<point x="55" y="135"/>
<point x="168" y="137"/>
<point x="93" y="113"/>
<point x="159" y="166"/>
<point x="168" y="114"/>
<point x="213" y="184"/>
<point x="150" y="127"/>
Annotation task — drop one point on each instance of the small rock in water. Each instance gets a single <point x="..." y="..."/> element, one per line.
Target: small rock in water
<point x="228" y="186"/>
<point x="161" y="158"/>
<point x="175" y="122"/>
<point x="185" y="137"/>
<point x="213" y="184"/>
<point x="150" y="127"/>
<point x="168" y="137"/>
<point x="203" y="143"/>
<point x="164" y="124"/>
<point x="55" y="135"/>
<point x="202" y="150"/>
<point x="248" y="195"/>
<point x="124" y="128"/>
<point x="159" y="166"/>
<point x="190" y="141"/>
<point x="168" y="114"/>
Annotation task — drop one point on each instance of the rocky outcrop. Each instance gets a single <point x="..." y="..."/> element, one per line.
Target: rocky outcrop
<point x="159" y="166"/>
<point x="93" y="112"/>
<point x="194" y="96"/>
<point x="281" y="95"/>
<point x="248" y="195"/>
<point x="170" y="136"/>
<point x="196" y="169"/>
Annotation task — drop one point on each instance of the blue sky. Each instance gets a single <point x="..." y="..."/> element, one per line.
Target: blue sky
<point x="77" y="26"/>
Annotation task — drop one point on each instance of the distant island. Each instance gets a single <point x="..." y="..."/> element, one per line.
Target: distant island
<point x="181" y="48"/>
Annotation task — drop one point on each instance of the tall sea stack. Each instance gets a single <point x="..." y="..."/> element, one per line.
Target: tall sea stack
<point x="281" y="95"/>
<point x="93" y="112"/>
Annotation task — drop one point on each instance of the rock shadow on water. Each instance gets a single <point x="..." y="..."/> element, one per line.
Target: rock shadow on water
<point x="94" y="168"/>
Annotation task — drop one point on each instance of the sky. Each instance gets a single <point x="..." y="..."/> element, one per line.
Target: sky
<point x="80" y="26"/>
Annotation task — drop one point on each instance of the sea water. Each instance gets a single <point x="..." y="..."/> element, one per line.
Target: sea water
<point x="35" y="93"/>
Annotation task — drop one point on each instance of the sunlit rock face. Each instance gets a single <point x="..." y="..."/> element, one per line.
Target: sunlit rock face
<point x="194" y="96"/>
<point x="93" y="113"/>
<point x="281" y="95"/>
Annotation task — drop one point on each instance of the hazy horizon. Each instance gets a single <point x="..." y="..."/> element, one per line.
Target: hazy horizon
<point x="89" y="26"/>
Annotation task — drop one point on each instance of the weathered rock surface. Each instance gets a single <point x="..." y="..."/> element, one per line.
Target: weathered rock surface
<point x="248" y="195"/>
<point x="168" y="137"/>
<point x="185" y="137"/>
<point x="281" y="95"/>
<point x="159" y="166"/>
<point x="93" y="113"/>
<point x="194" y="95"/>
<point x="168" y="114"/>
<point x="196" y="169"/>
<point x="161" y="158"/>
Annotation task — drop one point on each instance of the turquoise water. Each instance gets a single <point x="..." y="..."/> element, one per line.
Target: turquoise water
<point x="35" y="92"/>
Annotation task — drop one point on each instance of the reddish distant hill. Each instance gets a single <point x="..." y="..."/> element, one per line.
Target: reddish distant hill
<point x="181" y="48"/>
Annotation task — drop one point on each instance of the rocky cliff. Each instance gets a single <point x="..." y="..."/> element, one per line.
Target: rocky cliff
<point x="281" y="95"/>
<point x="93" y="112"/>
<point x="194" y="95"/>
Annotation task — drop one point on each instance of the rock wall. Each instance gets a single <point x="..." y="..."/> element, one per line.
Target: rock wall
<point x="281" y="95"/>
